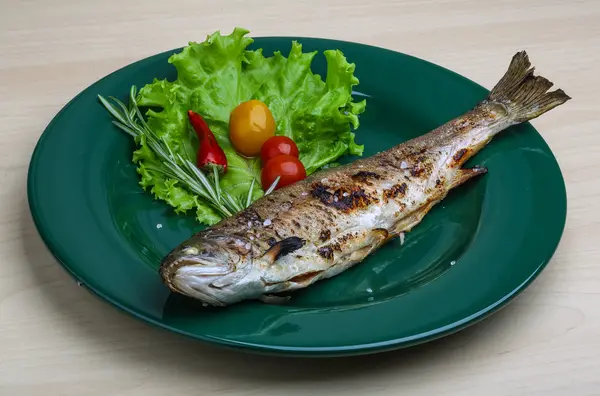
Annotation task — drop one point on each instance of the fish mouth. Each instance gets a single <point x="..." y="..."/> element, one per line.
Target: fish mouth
<point x="197" y="284"/>
<point x="193" y="277"/>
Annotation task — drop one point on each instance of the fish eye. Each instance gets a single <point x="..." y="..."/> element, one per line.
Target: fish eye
<point x="190" y="250"/>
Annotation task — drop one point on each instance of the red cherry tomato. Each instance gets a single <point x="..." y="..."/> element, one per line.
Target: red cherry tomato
<point x="289" y="168"/>
<point x="278" y="145"/>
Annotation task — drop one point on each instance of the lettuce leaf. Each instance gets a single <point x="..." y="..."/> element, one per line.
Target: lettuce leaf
<point x="215" y="76"/>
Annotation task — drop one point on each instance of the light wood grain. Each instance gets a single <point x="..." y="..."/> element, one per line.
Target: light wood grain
<point x="58" y="339"/>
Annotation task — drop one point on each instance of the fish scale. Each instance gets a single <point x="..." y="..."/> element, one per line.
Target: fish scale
<point x="330" y="221"/>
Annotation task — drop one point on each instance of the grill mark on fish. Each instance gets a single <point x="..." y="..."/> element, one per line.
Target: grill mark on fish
<point x="459" y="154"/>
<point x="336" y="246"/>
<point x="249" y="215"/>
<point x="417" y="171"/>
<point x="387" y="163"/>
<point x="344" y="199"/>
<point x="321" y="208"/>
<point x="364" y="176"/>
<point x="325" y="235"/>
<point x="326" y="252"/>
<point x="346" y="237"/>
<point x="396" y="190"/>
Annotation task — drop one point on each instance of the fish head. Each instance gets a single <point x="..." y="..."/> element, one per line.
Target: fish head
<point x="211" y="267"/>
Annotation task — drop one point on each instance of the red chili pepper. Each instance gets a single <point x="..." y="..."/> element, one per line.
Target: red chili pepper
<point x="210" y="153"/>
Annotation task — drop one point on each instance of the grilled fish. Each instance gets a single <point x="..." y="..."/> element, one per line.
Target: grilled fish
<point x="319" y="227"/>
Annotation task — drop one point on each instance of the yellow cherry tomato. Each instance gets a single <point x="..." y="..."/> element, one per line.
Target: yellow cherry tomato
<point x="250" y="125"/>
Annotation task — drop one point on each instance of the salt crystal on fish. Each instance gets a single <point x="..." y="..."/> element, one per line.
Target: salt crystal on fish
<point x="401" y="238"/>
<point x="267" y="222"/>
<point x="248" y="245"/>
<point x="304" y="194"/>
<point x="345" y="194"/>
<point x="324" y="180"/>
<point x="403" y="165"/>
<point x="251" y="237"/>
<point x="335" y="199"/>
<point x="249" y="224"/>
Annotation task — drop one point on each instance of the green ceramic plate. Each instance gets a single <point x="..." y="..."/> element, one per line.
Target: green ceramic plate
<point x="471" y="255"/>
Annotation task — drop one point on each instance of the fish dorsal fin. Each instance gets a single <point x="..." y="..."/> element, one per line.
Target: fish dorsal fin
<point x="283" y="247"/>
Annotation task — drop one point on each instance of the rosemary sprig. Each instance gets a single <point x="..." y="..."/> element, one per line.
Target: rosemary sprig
<point x="270" y="189"/>
<point x="130" y="120"/>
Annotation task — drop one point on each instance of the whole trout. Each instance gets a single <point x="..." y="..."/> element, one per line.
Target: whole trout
<point x="325" y="224"/>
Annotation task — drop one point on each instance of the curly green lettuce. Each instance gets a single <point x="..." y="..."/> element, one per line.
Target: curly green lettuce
<point x="215" y="76"/>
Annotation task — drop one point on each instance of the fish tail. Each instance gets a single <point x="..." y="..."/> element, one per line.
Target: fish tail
<point x="525" y="95"/>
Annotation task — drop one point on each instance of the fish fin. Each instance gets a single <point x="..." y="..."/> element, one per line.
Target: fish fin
<point x="525" y="95"/>
<point x="283" y="247"/>
<point x="464" y="174"/>
<point x="377" y="237"/>
<point x="414" y="218"/>
<point x="271" y="299"/>
<point x="306" y="278"/>
<point x="380" y="234"/>
<point x="358" y="255"/>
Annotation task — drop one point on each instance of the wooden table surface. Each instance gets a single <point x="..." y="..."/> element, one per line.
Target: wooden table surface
<point x="58" y="339"/>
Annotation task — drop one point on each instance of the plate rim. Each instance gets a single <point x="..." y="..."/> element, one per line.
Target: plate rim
<point x="279" y="350"/>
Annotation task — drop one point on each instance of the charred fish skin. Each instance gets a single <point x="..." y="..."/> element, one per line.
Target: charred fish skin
<point x="325" y="224"/>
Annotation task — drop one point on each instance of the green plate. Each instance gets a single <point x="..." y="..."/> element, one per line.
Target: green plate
<point x="472" y="253"/>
